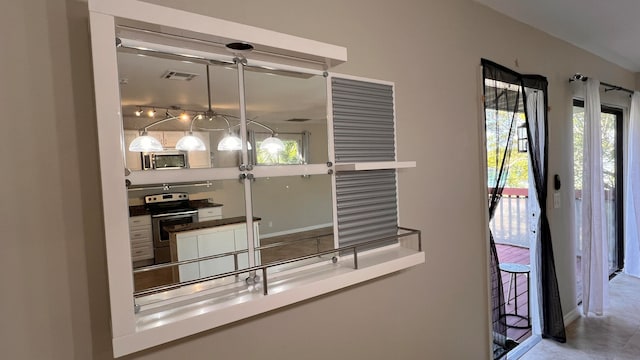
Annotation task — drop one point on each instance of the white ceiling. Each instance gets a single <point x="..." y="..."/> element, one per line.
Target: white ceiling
<point x="272" y="96"/>
<point x="607" y="28"/>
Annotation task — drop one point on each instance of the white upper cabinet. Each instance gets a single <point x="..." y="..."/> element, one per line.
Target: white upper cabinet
<point x="201" y="159"/>
<point x="168" y="139"/>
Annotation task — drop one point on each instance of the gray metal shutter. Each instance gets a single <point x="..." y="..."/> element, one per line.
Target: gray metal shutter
<point x="366" y="205"/>
<point x="363" y="124"/>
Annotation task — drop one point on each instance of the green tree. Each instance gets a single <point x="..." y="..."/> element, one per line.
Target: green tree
<point x="608" y="132"/>
<point x="290" y="154"/>
<point x="497" y="130"/>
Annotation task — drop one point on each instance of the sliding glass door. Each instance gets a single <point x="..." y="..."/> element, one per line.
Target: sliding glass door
<point x="611" y="129"/>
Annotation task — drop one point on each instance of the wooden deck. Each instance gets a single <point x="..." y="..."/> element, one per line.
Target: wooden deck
<point x="517" y="255"/>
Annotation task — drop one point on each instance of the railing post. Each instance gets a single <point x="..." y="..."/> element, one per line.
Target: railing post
<point x="355" y="257"/>
<point x="264" y="281"/>
<point x="235" y="263"/>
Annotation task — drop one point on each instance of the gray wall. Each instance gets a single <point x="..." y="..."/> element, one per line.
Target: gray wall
<point x="54" y="301"/>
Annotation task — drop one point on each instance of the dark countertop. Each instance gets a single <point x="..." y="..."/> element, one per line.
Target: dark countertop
<point x="207" y="224"/>
<point x="137" y="210"/>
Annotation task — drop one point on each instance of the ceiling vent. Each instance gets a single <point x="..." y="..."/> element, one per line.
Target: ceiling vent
<point x="298" y="119"/>
<point x="178" y="75"/>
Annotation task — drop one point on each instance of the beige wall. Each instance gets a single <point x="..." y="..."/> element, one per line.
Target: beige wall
<point x="54" y="300"/>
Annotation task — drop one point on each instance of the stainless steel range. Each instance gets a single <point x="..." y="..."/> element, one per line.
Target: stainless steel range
<point x="167" y="209"/>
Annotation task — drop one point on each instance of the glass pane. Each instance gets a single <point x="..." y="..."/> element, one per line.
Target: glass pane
<point x="608" y="127"/>
<point x="295" y="216"/>
<point x="510" y="223"/>
<point x="609" y="159"/>
<point x="578" y="145"/>
<point x="290" y="106"/>
<point x="169" y="97"/>
<point x="178" y="222"/>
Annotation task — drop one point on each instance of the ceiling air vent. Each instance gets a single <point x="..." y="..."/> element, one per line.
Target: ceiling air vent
<point x="178" y="75"/>
<point x="298" y="119"/>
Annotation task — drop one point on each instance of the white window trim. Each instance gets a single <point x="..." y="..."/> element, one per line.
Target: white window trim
<point x="129" y="335"/>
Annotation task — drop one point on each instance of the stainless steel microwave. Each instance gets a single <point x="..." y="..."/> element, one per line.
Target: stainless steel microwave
<point x="165" y="160"/>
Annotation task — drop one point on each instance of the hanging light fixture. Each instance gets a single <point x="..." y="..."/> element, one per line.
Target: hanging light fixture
<point x="191" y="142"/>
<point x="230" y="142"/>
<point x="145" y="143"/>
<point x="272" y="145"/>
<point x="523" y="143"/>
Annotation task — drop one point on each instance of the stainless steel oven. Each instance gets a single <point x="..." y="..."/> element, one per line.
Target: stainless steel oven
<point x="167" y="209"/>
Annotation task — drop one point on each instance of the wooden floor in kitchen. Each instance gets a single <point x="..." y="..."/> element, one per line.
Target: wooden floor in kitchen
<point x="291" y="246"/>
<point x="153" y="278"/>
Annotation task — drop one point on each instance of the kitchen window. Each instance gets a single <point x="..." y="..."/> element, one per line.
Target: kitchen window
<point x="205" y="90"/>
<point x="295" y="149"/>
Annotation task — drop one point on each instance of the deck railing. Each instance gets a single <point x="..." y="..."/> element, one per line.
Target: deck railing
<point x="511" y="222"/>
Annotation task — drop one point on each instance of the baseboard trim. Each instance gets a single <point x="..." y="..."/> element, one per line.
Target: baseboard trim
<point x="572" y="316"/>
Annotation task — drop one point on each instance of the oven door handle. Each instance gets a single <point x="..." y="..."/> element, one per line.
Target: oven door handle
<point x="189" y="212"/>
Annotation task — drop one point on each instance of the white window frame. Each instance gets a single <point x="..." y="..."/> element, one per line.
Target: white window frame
<point x="131" y="332"/>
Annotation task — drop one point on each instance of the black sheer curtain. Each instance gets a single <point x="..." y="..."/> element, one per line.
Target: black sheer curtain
<point x="504" y="90"/>
<point x="552" y="320"/>
<point x="501" y="99"/>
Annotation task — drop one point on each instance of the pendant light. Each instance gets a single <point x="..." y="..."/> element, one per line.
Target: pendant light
<point x="272" y="145"/>
<point x="145" y="143"/>
<point x="231" y="142"/>
<point x="191" y="143"/>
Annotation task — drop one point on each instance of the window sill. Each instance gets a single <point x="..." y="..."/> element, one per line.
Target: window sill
<point x="174" y="321"/>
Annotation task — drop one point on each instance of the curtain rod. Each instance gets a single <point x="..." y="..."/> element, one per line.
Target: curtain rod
<point x="611" y="87"/>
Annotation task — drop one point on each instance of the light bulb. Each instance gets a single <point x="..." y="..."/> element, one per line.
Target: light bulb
<point x="145" y="143"/>
<point x="272" y="145"/>
<point x="184" y="116"/>
<point x="191" y="143"/>
<point x="138" y="112"/>
<point x="151" y="113"/>
<point x="230" y="143"/>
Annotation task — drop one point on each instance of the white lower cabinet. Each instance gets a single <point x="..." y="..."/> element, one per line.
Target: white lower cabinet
<point x="219" y="242"/>
<point x="212" y="241"/>
<point x="241" y="244"/>
<point x="187" y="249"/>
<point x="140" y="236"/>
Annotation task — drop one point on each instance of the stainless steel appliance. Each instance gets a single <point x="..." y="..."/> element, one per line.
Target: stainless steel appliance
<point x="165" y="160"/>
<point x="167" y="209"/>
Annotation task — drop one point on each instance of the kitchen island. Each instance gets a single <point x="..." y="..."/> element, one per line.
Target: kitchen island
<point x="208" y="238"/>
